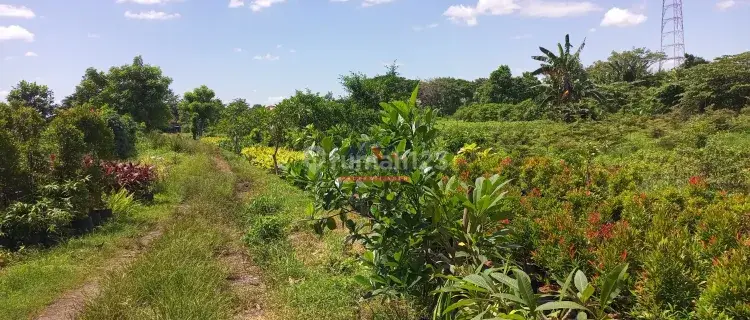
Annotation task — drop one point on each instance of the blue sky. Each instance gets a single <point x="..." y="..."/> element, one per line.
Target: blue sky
<point x="262" y="50"/>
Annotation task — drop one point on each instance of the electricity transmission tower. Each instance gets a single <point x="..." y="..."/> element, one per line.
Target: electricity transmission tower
<point x="672" y="33"/>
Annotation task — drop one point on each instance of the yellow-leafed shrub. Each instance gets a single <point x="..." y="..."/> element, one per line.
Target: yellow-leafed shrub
<point x="213" y="140"/>
<point x="263" y="156"/>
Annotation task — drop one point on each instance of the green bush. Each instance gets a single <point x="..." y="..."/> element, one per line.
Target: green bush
<point x="65" y="146"/>
<point x="727" y="293"/>
<point x="266" y="228"/>
<point x="263" y="206"/>
<point x="124" y="131"/>
<point x="10" y="171"/>
<point x="526" y="110"/>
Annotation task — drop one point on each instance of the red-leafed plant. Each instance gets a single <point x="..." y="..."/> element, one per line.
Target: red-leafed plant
<point x="137" y="179"/>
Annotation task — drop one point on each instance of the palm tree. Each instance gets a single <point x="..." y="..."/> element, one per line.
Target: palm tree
<point x="566" y="78"/>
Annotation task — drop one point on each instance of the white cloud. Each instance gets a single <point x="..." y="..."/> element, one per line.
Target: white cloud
<point x="147" y="2"/>
<point x="278" y="46"/>
<point x="339" y="0"/>
<point x="93" y="35"/>
<point x="552" y="9"/>
<point x="8" y="58"/>
<point x="461" y="13"/>
<point x="3" y="94"/>
<point x="292" y="51"/>
<point x="370" y="3"/>
<point x="530" y="8"/>
<point x="259" y="5"/>
<point x="238" y="50"/>
<point x="31" y="54"/>
<point x="16" y="12"/>
<point x="725" y="4"/>
<point x="497" y="7"/>
<point x="15" y="33"/>
<point x="622" y="18"/>
<point x="592" y="30"/>
<point x="522" y="36"/>
<point x="276" y="99"/>
<point x="236" y="3"/>
<point x="268" y="57"/>
<point x="151" y="15"/>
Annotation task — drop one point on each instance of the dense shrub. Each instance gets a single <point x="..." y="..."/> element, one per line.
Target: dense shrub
<point x="138" y="179"/>
<point x="722" y="84"/>
<point x="48" y="216"/>
<point x="65" y="145"/>
<point x="263" y="156"/>
<point x="266" y="228"/>
<point x="526" y="110"/>
<point x="727" y="293"/>
<point x="124" y="132"/>
<point x="10" y="171"/>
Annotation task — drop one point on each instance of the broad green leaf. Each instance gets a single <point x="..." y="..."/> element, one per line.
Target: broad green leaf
<point x="460" y="304"/>
<point x="581" y="281"/>
<point x="524" y="288"/>
<point x="331" y="223"/>
<point x="414" y="95"/>
<point x="611" y="282"/>
<point x="586" y="294"/>
<point x="327" y="144"/>
<point x="362" y="280"/>
<point x="478" y="280"/>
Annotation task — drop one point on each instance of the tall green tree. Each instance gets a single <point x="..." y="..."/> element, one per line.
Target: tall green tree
<point x="203" y="108"/>
<point x="237" y="122"/>
<point x="722" y="84"/>
<point x="497" y="89"/>
<point x="138" y="89"/>
<point x="692" y="61"/>
<point x="369" y="92"/>
<point x="628" y="66"/>
<point x="33" y="95"/>
<point x="446" y="94"/>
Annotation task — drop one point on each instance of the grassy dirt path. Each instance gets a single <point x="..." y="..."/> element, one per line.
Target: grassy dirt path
<point x="70" y="305"/>
<point x="199" y="268"/>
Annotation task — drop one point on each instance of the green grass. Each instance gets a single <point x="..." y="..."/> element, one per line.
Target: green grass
<point x="180" y="277"/>
<point x="308" y="277"/>
<point x="36" y="278"/>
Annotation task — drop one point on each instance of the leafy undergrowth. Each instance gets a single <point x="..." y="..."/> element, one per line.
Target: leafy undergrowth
<point x="308" y="277"/>
<point x="180" y="277"/>
<point x="32" y="278"/>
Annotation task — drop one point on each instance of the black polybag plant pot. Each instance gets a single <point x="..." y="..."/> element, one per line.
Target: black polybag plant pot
<point x="83" y="225"/>
<point x="106" y="214"/>
<point x="96" y="217"/>
<point x="148" y="197"/>
<point x="6" y="243"/>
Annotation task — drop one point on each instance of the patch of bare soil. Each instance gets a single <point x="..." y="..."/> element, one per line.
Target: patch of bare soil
<point x="222" y="164"/>
<point x="246" y="284"/>
<point x="70" y="304"/>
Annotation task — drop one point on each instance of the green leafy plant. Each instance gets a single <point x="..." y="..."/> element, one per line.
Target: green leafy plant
<point x="492" y="294"/>
<point x="121" y="202"/>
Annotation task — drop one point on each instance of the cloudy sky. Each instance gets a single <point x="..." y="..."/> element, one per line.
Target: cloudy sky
<point x="262" y="50"/>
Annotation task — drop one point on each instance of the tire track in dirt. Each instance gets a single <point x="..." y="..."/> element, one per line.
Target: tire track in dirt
<point x="245" y="278"/>
<point x="71" y="304"/>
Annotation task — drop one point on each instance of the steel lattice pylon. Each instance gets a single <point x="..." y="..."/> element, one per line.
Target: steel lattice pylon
<point x="672" y="33"/>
